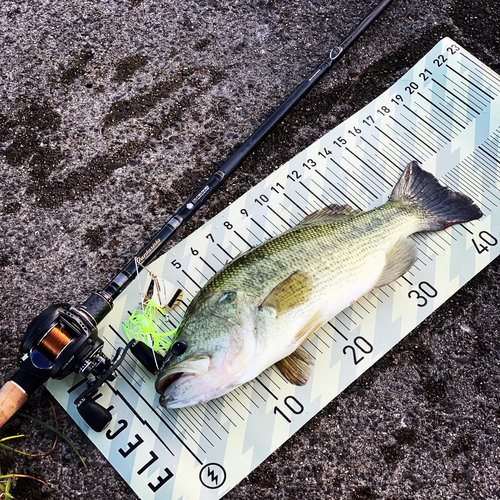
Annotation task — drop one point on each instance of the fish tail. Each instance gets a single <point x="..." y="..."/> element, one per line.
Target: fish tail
<point x="439" y="207"/>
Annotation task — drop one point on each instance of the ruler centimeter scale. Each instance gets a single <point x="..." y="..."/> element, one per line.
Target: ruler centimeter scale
<point x="445" y="114"/>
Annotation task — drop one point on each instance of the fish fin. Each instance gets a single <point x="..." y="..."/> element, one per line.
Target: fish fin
<point x="328" y="215"/>
<point x="399" y="259"/>
<point x="296" y="368"/>
<point x="440" y="207"/>
<point x="294" y="290"/>
<point x="311" y="326"/>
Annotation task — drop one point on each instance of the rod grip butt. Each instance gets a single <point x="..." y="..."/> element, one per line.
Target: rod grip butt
<point x="12" y="397"/>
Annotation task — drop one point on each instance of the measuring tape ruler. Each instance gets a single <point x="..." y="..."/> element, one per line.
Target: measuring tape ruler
<point x="445" y="114"/>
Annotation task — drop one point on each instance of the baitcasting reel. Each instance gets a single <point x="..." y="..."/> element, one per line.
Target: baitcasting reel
<point x="63" y="340"/>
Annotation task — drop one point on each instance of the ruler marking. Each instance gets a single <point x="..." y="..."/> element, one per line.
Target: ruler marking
<point x="143" y="421"/>
<point x="490" y="148"/>
<point x="467" y="166"/>
<point x="279" y="216"/>
<point x="291" y="214"/>
<point x="303" y="346"/>
<point x="268" y="390"/>
<point x="414" y="135"/>
<point x="293" y="203"/>
<point x="325" y="331"/>
<point x="354" y="178"/>
<point x="410" y="155"/>
<point x="315" y="195"/>
<point x="436" y="119"/>
<point x="443" y="112"/>
<point x="475" y="77"/>
<point x="181" y="422"/>
<point x="261" y="227"/>
<point x="225" y="251"/>
<point x="417" y="148"/>
<point x="314" y="206"/>
<point x="441" y="139"/>
<point x="470" y="82"/>
<point x="484" y="69"/>
<point x="208" y="265"/>
<point x="321" y="340"/>
<point x="335" y="187"/>
<point x="327" y="193"/>
<point x="387" y="171"/>
<point x="478" y="99"/>
<point x="456" y="97"/>
<point x="217" y="403"/>
<point x="258" y="393"/>
<point x="407" y="280"/>
<point x="278" y="230"/>
<point x="463" y="181"/>
<point x="241" y="388"/>
<point x="380" y="176"/>
<point x="225" y="401"/>
<point x="371" y="181"/>
<point x="396" y="153"/>
<point x="161" y="418"/>
<point x="457" y="108"/>
<point x="486" y="152"/>
<point x="481" y="165"/>
<point x="356" y="312"/>
<point x="270" y="379"/>
<point x="194" y="281"/>
<point x="338" y="331"/>
<point x="187" y="413"/>
<point x="382" y="154"/>
<point x="204" y="277"/>
<point x="238" y="400"/>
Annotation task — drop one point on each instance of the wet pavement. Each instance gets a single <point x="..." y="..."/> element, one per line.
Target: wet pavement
<point x="112" y="112"/>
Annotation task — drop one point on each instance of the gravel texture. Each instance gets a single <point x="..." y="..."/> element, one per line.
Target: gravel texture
<point x="112" y="112"/>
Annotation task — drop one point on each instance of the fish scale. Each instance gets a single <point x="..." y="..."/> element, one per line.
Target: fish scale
<point x="313" y="249"/>
<point x="260" y="308"/>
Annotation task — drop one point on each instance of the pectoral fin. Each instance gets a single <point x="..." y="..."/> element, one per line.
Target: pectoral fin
<point x="402" y="256"/>
<point x="328" y="215"/>
<point x="296" y="368"/>
<point x="295" y="290"/>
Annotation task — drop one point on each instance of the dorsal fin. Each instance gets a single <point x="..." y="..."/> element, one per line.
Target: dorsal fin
<point x="294" y="290"/>
<point x="328" y="215"/>
<point x="296" y="368"/>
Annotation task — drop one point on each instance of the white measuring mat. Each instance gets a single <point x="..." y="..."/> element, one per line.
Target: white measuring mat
<point x="445" y="113"/>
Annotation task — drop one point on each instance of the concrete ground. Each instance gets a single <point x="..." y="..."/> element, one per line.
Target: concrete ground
<point x="111" y="112"/>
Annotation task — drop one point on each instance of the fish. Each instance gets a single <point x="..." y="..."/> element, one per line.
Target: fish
<point x="259" y="309"/>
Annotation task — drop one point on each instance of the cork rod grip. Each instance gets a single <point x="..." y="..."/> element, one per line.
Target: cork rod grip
<point x="12" y="397"/>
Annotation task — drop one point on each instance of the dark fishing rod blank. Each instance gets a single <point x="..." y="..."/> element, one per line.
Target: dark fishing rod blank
<point x="184" y="213"/>
<point x="63" y="339"/>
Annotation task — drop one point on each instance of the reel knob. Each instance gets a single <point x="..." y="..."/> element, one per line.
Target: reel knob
<point x="96" y="416"/>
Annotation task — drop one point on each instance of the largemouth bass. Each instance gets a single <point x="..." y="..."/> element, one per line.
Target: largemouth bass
<point x="260" y="308"/>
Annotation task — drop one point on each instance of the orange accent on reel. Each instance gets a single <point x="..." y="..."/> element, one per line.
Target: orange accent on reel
<point x="54" y="342"/>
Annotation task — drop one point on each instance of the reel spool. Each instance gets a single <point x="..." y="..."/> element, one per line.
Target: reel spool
<point x="63" y="340"/>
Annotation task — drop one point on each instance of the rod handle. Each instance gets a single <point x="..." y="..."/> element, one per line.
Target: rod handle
<point x="12" y="397"/>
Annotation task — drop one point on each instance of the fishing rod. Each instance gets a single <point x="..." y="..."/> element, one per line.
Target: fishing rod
<point x="63" y="339"/>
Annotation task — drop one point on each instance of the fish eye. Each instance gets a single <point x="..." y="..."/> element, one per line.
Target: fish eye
<point x="179" y="348"/>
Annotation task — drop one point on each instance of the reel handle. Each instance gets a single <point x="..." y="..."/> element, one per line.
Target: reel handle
<point x="12" y="397"/>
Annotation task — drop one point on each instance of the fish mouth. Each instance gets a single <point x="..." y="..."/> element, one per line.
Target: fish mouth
<point x="167" y="381"/>
<point x="187" y="368"/>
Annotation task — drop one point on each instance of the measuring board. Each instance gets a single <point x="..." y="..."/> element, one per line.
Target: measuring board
<point x="445" y="113"/>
